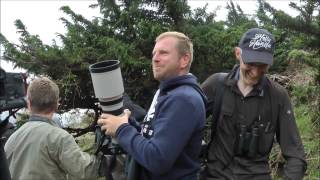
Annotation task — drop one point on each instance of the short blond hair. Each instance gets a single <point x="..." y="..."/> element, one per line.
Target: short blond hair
<point x="184" y="43"/>
<point x="43" y="95"/>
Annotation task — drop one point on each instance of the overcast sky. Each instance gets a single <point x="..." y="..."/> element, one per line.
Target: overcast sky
<point x="42" y="16"/>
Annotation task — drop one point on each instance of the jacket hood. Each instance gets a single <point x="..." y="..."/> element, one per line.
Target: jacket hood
<point x="187" y="79"/>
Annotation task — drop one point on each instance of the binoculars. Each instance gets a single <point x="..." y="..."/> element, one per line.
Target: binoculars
<point x="247" y="143"/>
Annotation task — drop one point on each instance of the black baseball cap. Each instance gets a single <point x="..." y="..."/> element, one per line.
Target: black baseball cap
<point x="257" y="46"/>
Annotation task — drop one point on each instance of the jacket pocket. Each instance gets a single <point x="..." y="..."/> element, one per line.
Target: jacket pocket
<point x="265" y="142"/>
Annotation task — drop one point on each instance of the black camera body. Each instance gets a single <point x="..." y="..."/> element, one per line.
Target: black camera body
<point x="12" y="95"/>
<point x="12" y="90"/>
<point x="247" y="142"/>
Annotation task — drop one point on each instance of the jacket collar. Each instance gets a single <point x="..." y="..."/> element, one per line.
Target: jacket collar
<point x="177" y="81"/>
<point x="188" y="79"/>
<point x="42" y="119"/>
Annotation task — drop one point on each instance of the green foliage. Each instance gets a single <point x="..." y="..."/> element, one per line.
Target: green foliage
<point x="308" y="93"/>
<point x="127" y="29"/>
<point x="236" y="16"/>
<point x="309" y="96"/>
<point x="310" y="134"/>
<point x="303" y="94"/>
<point x="311" y="58"/>
<point x="21" y="119"/>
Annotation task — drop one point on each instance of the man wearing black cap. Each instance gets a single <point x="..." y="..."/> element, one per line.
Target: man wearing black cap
<point x="248" y="111"/>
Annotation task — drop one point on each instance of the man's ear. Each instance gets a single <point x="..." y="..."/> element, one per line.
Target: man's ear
<point x="185" y="60"/>
<point x="57" y="107"/>
<point x="28" y="104"/>
<point x="237" y="53"/>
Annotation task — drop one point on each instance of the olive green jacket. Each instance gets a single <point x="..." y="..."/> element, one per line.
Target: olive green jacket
<point x="41" y="150"/>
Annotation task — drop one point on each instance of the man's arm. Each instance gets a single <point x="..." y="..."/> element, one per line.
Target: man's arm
<point x="290" y="141"/>
<point x="72" y="159"/>
<point x="175" y="123"/>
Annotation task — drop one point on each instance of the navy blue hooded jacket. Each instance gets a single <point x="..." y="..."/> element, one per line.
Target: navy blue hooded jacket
<point x="169" y="143"/>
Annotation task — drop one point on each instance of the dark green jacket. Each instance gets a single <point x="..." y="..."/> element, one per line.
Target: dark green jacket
<point x="269" y="100"/>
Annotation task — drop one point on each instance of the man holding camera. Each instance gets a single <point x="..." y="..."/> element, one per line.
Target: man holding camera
<point x="248" y="110"/>
<point x="169" y="143"/>
<point x="40" y="149"/>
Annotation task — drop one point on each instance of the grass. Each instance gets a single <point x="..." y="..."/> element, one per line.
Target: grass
<point x="310" y="136"/>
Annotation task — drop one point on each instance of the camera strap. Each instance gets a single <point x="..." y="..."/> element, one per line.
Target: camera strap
<point x="262" y="120"/>
<point x="258" y="122"/>
<point x="218" y="102"/>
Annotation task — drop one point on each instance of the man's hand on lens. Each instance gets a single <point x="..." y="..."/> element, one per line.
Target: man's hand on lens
<point x="111" y="123"/>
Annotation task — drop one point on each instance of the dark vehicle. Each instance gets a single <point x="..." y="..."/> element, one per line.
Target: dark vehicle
<point x="12" y="90"/>
<point x="12" y="98"/>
